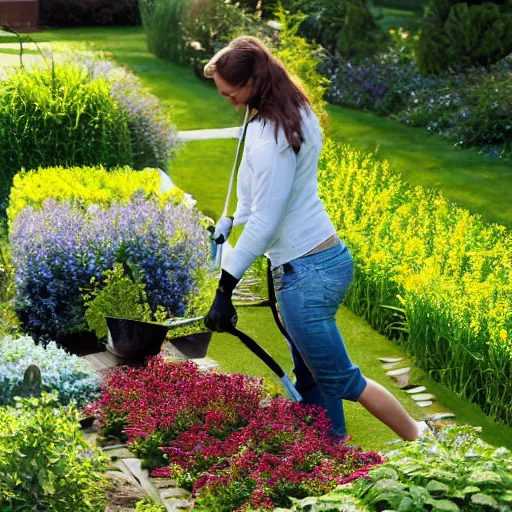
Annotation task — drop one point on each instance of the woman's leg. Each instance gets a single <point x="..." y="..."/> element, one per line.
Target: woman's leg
<point x="312" y="395"/>
<point x="309" y="295"/>
<point x="378" y="401"/>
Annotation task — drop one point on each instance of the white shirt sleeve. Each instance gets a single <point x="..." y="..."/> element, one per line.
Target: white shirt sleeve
<point x="273" y="172"/>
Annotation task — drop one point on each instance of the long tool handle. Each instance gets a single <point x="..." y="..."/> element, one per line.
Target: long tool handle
<point x="269" y="361"/>
<point x="181" y="323"/>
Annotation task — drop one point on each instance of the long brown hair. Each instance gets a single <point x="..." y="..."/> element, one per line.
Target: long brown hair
<point x="273" y="92"/>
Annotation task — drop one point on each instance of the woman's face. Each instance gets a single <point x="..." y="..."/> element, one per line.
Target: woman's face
<point x="238" y="95"/>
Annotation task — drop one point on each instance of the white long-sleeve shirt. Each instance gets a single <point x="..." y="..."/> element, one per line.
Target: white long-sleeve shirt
<point x="278" y="197"/>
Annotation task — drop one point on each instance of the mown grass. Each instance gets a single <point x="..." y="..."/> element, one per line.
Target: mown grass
<point x="202" y="168"/>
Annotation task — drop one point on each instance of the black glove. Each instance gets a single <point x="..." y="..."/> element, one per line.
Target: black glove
<point x="222" y="315"/>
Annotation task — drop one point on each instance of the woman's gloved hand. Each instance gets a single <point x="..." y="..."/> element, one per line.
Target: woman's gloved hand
<point x="223" y="229"/>
<point x="222" y="315"/>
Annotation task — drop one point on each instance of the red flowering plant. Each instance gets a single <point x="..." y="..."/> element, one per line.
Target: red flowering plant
<point x="217" y="436"/>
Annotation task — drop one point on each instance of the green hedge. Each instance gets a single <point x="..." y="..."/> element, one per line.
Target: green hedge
<point x="60" y="118"/>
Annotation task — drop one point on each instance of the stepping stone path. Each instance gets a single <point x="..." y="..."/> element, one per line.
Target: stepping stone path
<point x="417" y="393"/>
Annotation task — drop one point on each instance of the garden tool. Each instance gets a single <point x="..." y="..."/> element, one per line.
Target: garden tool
<point x="136" y="339"/>
<point x="133" y="339"/>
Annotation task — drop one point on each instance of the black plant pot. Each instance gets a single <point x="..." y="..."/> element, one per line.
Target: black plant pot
<point x="134" y="340"/>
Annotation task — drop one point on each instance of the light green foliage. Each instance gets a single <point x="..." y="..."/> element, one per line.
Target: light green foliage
<point x="147" y="505"/>
<point x="301" y="59"/>
<point x="44" y="462"/>
<point x="198" y="303"/>
<point x="119" y="296"/>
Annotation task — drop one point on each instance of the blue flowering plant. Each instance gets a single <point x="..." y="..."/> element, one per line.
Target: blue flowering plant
<point x="73" y="379"/>
<point x="59" y="248"/>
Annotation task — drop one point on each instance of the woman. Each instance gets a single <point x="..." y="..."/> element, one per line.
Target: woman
<point x="284" y="218"/>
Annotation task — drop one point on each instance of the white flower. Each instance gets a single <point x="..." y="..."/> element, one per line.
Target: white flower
<point x="196" y="45"/>
<point x="274" y="24"/>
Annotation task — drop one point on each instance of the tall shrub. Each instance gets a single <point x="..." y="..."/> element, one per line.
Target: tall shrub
<point x="455" y="35"/>
<point x="58" y="118"/>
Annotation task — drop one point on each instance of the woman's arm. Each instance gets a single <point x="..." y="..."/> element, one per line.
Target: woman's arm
<point x="272" y="181"/>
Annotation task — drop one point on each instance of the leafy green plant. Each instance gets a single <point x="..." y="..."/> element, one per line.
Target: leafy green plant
<point x="198" y="303"/>
<point x="302" y="59"/>
<point x="146" y="505"/>
<point x="44" y="462"/>
<point x="120" y="296"/>
<point x="455" y="471"/>
<point x="455" y="35"/>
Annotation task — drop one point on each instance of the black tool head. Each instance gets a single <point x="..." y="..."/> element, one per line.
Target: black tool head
<point x="134" y="340"/>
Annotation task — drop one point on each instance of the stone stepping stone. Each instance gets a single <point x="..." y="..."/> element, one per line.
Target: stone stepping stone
<point x="417" y="389"/>
<point x="399" y="371"/>
<point x="389" y="366"/>
<point x="421" y="397"/>
<point x="390" y="359"/>
<point x="142" y="477"/>
<point x="440" y="416"/>
<point x="205" y="363"/>
<point x="401" y="376"/>
<point x="175" y="492"/>
<point x="426" y="403"/>
<point x="120" y="453"/>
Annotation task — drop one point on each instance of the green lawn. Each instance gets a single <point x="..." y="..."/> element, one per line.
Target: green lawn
<point x="202" y="168"/>
<point x="389" y="18"/>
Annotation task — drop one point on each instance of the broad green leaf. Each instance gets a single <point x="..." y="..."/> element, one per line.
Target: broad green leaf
<point x="506" y="497"/>
<point x="484" y="477"/>
<point x="419" y="493"/>
<point x="471" y="489"/>
<point x="484" y="499"/>
<point x="406" y="505"/>
<point x="383" y="472"/>
<point x="435" y="486"/>
<point x="388" y="484"/>
<point x="444" y="505"/>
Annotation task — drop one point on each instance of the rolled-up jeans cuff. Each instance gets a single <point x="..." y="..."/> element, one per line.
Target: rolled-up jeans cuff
<point x="351" y="388"/>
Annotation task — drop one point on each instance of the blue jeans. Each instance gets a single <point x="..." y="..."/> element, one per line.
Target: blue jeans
<point x="309" y="291"/>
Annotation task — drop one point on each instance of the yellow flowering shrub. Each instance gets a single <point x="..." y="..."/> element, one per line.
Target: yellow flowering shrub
<point x="428" y="273"/>
<point x="88" y="185"/>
